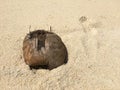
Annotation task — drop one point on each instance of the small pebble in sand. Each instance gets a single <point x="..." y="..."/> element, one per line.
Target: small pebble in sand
<point x="83" y="19"/>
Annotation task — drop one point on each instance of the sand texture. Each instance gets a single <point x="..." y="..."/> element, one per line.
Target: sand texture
<point x="90" y="30"/>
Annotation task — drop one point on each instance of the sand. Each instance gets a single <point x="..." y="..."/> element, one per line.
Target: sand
<point x="90" y="30"/>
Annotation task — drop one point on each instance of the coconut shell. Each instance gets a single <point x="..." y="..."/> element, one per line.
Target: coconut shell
<point x="43" y="49"/>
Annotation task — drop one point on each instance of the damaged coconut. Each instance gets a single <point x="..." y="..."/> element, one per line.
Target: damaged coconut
<point x="43" y="49"/>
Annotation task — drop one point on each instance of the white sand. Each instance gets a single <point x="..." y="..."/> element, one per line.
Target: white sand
<point x="93" y="45"/>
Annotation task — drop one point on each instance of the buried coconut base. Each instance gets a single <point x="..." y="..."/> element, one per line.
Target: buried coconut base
<point x="43" y="49"/>
<point x="39" y="67"/>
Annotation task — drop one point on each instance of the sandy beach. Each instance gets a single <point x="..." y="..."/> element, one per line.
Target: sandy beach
<point x="90" y="29"/>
